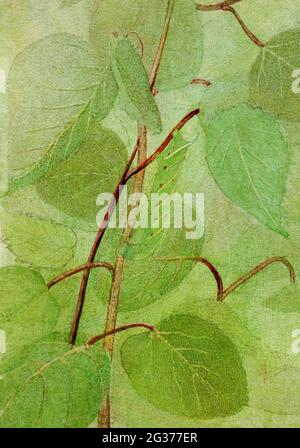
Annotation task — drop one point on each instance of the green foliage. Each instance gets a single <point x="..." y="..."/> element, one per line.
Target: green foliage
<point x="50" y="385"/>
<point x="55" y="87"/>
<point x="28" y="312"/>
<point x="146" y="280"/>
<point x="73" y="186"/>
<point x="249" y="159"/>
<point x="182" y="56"/>
<point x="38" y="243"/>
<point x="134" y="85"/>
<point x="228" y="364"/>
<point x="271" y="77"/>
<point x="182" y="369"/>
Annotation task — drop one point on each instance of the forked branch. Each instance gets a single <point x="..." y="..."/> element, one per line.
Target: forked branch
<point x="164" y="144"/>
<point x="111" y="207"/>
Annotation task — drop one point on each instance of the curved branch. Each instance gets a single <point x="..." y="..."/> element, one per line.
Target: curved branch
<point x="249" y="33"/>
<point x="257" y="269"/>
<point x="217" y="6"/>
<point x="201" y="81"/>
<point x="97" y="338"/>
<point x="96" y="244"/>
<point x="163" y="146"/>
<point x="100" y="264"/>
<point x="139" y="39"/>
<point x="226" y="6"/>
<point x="207" y="263"/>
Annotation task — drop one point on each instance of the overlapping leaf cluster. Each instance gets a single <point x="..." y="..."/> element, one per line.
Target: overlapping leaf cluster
<point x="62" y="90"/>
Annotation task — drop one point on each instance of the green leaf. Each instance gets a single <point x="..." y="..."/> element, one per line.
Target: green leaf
<point x="182" y="56"/>
<point x="50" y="385"/>
<point x="287" y="300"/>
<point x="188" y="368"/>
<point x="134" y="85"/>
<point x="223" y="94"/>
<point x="74" y="185"/>
<point x="249" y="160"/>
<point x="27" y="311"/>
<point x="36" y="242"/>
<point x="273" y="75"/>
<point x="55" y="86"/>
<point x="146" y="280"/>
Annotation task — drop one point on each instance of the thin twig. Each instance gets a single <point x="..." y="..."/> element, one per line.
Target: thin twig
<point x="201" y="81"/>
<point x="257" y="269"/>
<point x="100" y="264"/>
<point x="217" y="6"/>
<point x="249" y="33"/>
<point x="164" y="144"/>
<point x="226" y="6"/>
<point x="204" y="261"/>
<point x="97" y="338"/>
<point x="161" y="45"/>
<point x="94" y="249"/>
<point x="115" y="199"/>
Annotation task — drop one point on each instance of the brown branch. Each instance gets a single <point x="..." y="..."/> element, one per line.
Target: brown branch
<point x="202" y="82"/>
<point x="97" y="338"/>
<point x="139" y="39"/>
<point x="104" y="415"/>
<point x="100" y="264"/>
<point x="164" y="144"/>
<point x="257" y="269"/>
<point x="93" y="252"/>
<point x="115" y="199"/>
<point x="161" y="45"/>
<point x="249" y="33"/>
<point x="226" y="6"/>
<point x="217" y="6"/>
<point x="204" y="261"/>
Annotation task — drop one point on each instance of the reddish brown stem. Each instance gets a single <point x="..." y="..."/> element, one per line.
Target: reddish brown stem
<point x="93" y="252"/>
<point x="226" y="6"/>
<point x="97" y="338"/>
<point x="201" y="81"/>
<point x="161" y="45"/>
<point x="207" y="263"/>
<point x="164" y="144"/>
<point x="257" y="269"/>
<point x="100" y="264"/>
<point x="249" y="33"/>
<point x="116" y="195"/>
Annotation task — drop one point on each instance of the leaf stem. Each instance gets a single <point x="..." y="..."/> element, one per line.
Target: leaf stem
<point x="94" y="249"/>
<point x="201" y="81"/>
<point x="104" y="414"/>
<point x="97" y="338"/>
<point x="100" y="264"/>
<point x="116" y="195"/>
<point x="163" y="145"/>
<point x="226" y="7"/>
<point x="161" y="45"/>
<point x="257" y="269"/>
<point x="246" y="30"/>
<point x="204" y="261"/>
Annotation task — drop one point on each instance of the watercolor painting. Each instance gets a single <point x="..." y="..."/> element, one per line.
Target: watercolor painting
<point x="150" y="213"/>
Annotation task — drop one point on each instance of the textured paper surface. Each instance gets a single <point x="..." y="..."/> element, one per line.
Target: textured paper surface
<point x="73" y="92"/>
